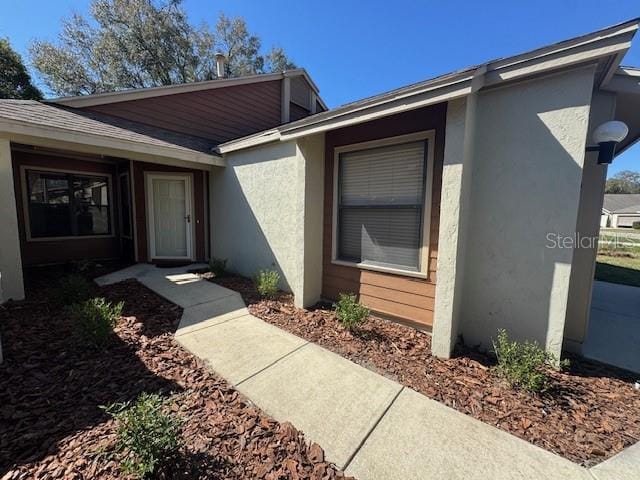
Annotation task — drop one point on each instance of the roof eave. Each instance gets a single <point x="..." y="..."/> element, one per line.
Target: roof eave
<point x="25" y="132"/>
<point x="609" y="44"/>
<point x="81" y="101"/>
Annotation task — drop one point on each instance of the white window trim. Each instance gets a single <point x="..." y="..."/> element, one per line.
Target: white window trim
<point x="429" y="136"/>
<point x="149" y="177"/>
<point x="25" y="202"/>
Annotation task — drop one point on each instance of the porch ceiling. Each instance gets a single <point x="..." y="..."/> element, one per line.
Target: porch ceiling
<point x="41" y="124"/>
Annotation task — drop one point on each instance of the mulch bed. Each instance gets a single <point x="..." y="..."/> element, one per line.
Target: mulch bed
<point x="51" y="388"/>
<point x="590" y="413"/>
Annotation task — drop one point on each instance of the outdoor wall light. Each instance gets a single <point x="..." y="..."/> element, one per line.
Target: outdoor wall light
<point x="607" y="136"/>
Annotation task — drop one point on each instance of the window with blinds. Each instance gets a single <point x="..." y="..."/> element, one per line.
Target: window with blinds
<point x="381" y="195"/>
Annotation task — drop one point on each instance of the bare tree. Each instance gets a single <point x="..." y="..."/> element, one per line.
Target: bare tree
<point x="145" y="43"/>
<point x="625" y="181"/>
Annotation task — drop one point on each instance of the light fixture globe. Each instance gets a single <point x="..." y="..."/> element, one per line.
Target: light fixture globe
<point x="612" y="131"/>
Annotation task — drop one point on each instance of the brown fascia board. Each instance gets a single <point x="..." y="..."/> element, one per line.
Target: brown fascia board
<point x="81" y="101"/>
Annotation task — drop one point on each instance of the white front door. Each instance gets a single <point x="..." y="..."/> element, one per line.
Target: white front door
<point x="169" y="199"/>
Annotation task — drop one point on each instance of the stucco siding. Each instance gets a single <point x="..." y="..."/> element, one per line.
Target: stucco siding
<point x="259" y="210"/>
<point x="446" y="322"/>
<point x="589" y="218"/>
<point x="527" y="169"/>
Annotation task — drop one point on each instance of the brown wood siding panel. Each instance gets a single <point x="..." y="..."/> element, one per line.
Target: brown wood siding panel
<point x="41" y="252"/>
<point x="220" y="114"/>
<point x="139" y="169"/>
<point x="407" y="298"/>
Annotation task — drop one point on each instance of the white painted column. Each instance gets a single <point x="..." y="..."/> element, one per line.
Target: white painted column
<point x="11" y="281"/>
<point x="311" y="149"/>
<point x="457" y="169"/>
<point x="455" y="192"/>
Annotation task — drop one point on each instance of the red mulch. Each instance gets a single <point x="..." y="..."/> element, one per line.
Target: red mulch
<point x="590" y="413"/>
<point x="51" y="388"/>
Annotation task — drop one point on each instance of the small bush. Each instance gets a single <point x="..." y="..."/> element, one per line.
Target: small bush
<point x="73" y="288"/>
<point x="218" y="266"/>
<point x="267" y="283"/>
<point x="147" y="436"/>
<point x="94" y="319"/>
<point x="523" y="364"/>
<point x="636" y="225"/>
<point x="349" y="312"/>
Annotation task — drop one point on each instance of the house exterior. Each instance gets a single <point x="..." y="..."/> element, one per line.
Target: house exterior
<point x="437" y="203"/>
<point x="620" y="210"/>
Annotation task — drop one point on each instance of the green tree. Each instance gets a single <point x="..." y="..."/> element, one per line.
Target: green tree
<point x="146" y="43"/>
<point x="15" y="81"/>
<point x="625" y="181"/>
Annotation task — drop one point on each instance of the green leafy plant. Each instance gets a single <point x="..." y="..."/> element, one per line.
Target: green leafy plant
<point x="523" y="364"/>
<point x="636" y="225"/>
<point x="73" y="288"/>
<point x="349" y="312"/>
<point x="218" y="266"/>
<point x="147" y="436"/>
<point x="94" y="319"/>
<point x="267" y="283"/>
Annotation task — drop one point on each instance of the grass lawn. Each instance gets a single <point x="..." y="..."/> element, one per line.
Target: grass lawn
<point x="619" y="265"/>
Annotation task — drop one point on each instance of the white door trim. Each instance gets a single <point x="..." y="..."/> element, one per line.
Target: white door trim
<point x="190" y="236"/>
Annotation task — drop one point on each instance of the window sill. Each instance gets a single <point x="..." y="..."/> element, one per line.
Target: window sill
<point x="377" y="268"/>
<point x="72" y="237"/>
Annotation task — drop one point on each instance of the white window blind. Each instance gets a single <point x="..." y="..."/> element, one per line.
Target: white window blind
<point x="380" y="205"/>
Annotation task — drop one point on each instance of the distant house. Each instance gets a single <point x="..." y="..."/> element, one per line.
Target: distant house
<point x="620" y="210"/>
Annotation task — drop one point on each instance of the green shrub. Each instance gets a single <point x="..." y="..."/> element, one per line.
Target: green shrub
<point x="218" y="266"/>
<point x="523" y="364"/>
<point x="73" y="288"/>
<point x="636" y="225"/>
<point x="349" y="312"/>
<point x="147" y="436"/>
<point x="94" y="319"/>
<point x="267" y="283"/>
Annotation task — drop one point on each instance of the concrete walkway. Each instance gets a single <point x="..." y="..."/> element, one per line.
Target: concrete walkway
<point x="367" y="424"/>
<point x="614" y="326"/>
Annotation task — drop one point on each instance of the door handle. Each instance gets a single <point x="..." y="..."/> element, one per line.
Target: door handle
<point x="188" y="218"/>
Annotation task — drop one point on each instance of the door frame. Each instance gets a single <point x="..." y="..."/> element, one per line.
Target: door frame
<point x="190" y="233"/>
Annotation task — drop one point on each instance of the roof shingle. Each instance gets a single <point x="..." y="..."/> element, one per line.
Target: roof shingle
<point x="622" y="202"/>
<point x="82" y="121"/>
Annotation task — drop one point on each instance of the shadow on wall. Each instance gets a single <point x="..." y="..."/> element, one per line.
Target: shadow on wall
<point x="256" y="201"/>
<point x="524" y="204"/>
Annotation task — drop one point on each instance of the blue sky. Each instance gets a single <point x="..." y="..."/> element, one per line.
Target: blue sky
<point x="354" y="49"/>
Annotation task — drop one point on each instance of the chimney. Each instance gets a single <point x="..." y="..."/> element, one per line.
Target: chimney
<point x="220" y="70"/>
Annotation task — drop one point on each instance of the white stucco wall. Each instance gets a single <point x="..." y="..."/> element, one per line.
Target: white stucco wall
<point x="588" y="226"/>
<point x="260" y="203"/>
<point x="527" y="169"/>
<point x="450" y="249"/>
<point x="312" y="151"/>
<point x="11" y="281"/>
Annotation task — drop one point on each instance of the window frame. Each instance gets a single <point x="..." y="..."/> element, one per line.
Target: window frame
<point x="25" y="202"/>
<point x="429" y="137"/>
<point x="121" y="215"/>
